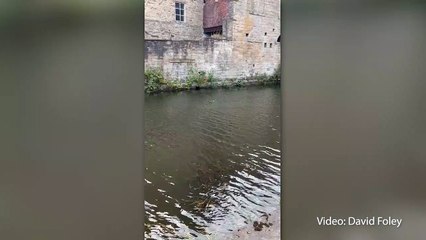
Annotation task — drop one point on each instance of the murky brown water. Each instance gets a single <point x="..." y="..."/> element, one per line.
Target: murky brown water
<point x="212" y="161"/>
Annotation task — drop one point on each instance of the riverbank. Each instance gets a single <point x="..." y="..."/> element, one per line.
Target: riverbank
<point x="225" y="85"/>
<point x="155" y="82"/>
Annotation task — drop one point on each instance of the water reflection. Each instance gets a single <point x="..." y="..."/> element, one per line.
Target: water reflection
<point x="212" y="161"/>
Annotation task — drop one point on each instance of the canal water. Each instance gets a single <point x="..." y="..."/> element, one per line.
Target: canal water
<point x="212" y="161"/>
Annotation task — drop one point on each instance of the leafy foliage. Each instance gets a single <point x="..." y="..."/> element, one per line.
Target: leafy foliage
<point x="196" y="78"/>
<point x="154" y="78"/>
<point x="277" y="74"/>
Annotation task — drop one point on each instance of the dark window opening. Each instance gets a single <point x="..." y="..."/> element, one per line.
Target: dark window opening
<point x="253" y="65"/>
<point x="180" y="12"/>
<point x="279" y="39"/>
<point x="213" y="31"/>
<point x="270" y="45"/>
<point x="264" y="44"/>
<point x="266" y="34"/>
<point x="247" y="34"/>
<point x="273" y="30"/>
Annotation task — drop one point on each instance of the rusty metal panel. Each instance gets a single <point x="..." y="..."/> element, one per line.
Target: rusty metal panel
<point x="215" y="11"/>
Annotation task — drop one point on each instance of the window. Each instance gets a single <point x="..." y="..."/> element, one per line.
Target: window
<point x="180" y="8"/>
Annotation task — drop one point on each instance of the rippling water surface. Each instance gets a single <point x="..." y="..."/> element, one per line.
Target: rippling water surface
<point x="212" y="161"/>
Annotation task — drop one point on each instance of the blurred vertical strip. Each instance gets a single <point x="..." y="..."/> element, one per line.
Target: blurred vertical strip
<point x="282" y="37"/>
<point x="71" y="91"/>
<point x="354" y="115"/>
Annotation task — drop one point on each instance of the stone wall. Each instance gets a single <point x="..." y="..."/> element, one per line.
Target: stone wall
<point x="255" y="30"/>
<point x="176" y="58"/>
<point x="249" y="48"/>
<point x="160" y="20"/>
<point x="221" y="57"/>
<point x="259" y="19"/>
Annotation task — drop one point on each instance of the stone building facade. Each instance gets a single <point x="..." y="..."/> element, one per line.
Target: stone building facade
<point x="233" y="39"/>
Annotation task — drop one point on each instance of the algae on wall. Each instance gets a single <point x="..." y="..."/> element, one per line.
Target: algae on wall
<point x="155" y="81"/>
